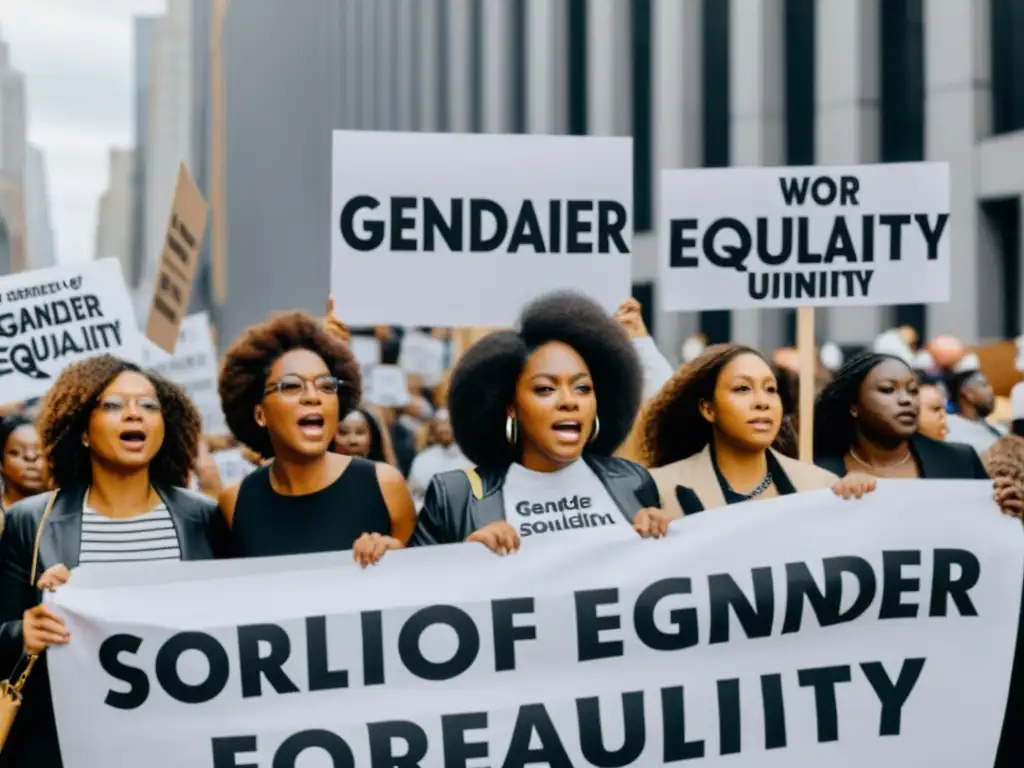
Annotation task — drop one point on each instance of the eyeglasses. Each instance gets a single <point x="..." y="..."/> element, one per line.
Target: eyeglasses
<point x="117" y="404"/>
<point x="293" y="385"/>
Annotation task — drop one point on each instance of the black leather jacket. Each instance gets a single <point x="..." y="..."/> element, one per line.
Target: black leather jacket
<point x="453" y="509"/>
<point x="202" y="535"/>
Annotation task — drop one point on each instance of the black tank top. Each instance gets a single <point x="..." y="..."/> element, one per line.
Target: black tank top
<point x="267" y="523"/>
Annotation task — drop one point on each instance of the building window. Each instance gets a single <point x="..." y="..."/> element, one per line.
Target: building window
<point x="443" y="98"/>
<point x="476" y="66"/>
<point x="641" y="92"/>
<point x="902" y="93"/>
<point x="798" y="44"/>
<point x="517" y="68"/>
<point x="716" y="326"/>
<point x="577" y="69"/>
<point x="1007" y="48"/>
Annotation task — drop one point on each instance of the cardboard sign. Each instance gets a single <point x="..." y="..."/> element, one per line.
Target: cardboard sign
<point x="386" y="386"/>
<point x="50" y="318"/>
<point x="193" y="367"/>
<point x="751" y="238"/>
<point x="423" y="355"/>
<point x="178" y="263"/>
<point x="464" y="229"/>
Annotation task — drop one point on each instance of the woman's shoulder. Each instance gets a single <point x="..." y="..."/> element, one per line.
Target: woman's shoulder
<point x="616" y="465"/>
<point x="27" y="510"/>
<point x="679" y="470"/>
<point x="188" y="503"/>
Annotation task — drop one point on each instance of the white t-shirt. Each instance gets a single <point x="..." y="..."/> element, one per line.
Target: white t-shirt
<point x="570" y="499"/>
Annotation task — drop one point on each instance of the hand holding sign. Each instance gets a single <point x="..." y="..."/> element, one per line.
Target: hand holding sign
<point x="499" y="537"/>
<point x="333" y="325"/>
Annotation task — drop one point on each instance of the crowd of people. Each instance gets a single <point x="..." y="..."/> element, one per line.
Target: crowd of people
<point x="571" y="420"/>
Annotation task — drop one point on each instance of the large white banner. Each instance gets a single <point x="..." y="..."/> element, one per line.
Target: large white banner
<point x="750" y="238"/>
<point x="796" y="632"/>
<point x="463" y="229"/>
<point x="193" y="367"/>
<point x="50" y="318"/>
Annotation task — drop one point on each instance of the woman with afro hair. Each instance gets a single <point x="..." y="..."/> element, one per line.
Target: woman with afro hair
<point x="716" y="435"/>
<point x="284" y="386"/>
<point x="120" y="444"/>
<point x="540" y="411"/>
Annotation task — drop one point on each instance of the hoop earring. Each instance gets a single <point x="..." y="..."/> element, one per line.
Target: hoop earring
<point x="511" y="430"/>
<point x="596" y="430"/>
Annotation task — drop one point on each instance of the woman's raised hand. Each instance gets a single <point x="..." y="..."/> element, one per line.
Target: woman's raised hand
<point x="499" y="537"/>
<point x="333" y="325"/>
<point x="370" y="548"/>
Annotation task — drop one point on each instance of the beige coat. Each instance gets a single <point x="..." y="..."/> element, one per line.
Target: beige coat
<point x="698" y="474"/>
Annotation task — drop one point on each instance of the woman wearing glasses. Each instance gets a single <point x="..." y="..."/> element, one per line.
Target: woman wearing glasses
<point x="283" y="387"/>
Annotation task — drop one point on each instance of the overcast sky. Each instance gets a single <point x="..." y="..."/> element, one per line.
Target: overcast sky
<point x="77" y="59"/>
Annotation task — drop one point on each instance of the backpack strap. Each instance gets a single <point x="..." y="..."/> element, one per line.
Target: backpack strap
<point x="475" y="483"/>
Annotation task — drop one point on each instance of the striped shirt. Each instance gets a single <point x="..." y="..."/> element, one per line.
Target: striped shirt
<point x="147" y="537"/>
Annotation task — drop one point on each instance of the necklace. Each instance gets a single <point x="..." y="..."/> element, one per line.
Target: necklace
<point x="895" y="464"/>
<point x="763" y="486"/>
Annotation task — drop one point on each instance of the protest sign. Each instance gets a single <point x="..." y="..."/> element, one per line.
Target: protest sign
<point x="193" y="367"/>
<point x="232" y="465"/>
<point x="751" y="238"/>
<point x="423" y="355"/>
<point x="366" y="350"/>
<point x="461" y="229"/>
<point x="50" y="318"/>
<point x="386" y="386"/>
<point x="177" y="263"/>
<point x="799" y="632"/>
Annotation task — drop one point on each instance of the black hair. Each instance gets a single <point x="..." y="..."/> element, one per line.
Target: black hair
<point x="8" y="426"/>
<point x="955" y="383"/>
<point x="483" y="383"/>
<point x="674" y="428"/>
<point x="834" y="425"/>
<point x="376" y="452"/>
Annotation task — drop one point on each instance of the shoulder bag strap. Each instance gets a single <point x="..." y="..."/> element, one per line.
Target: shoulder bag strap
<point x="475" y="483"/>
<point x="39" y="538"/>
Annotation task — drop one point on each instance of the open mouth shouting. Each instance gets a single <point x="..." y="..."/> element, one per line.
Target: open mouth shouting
<point x="568" y="431"/>
<point x="312" y="426"/>
<point x="133" y="440"/>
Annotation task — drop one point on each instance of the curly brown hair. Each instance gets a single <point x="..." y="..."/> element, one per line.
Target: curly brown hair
<point x="247" y="363"/>
<point x="65" y="412"/>
<point x="674" y="428"/>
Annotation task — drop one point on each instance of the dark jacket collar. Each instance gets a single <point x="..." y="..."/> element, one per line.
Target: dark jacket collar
<point x="935" y="459"/>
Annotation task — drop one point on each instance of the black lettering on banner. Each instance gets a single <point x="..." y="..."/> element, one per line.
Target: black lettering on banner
<point x="503" y="613"/>
<point x="226" y="751"/>
<point x="683" y="619"/>
<point x="138" y="683"/>
<point x="533" y="719"/>
<point x="824" y="681"/>
<point x="321" y="676"/>
<point x="255" y="667"/>
<point x="945" y="587"/>
<point x="294" y="746"/>
<point x="673" y="722"/>
<point x="373" y="647"/>
<point x="892" y="696"/>
<point x="482" y="225"/>
<point x="827" y="605"/>
<point x="730" y="740"/>
<point x="634" y="728"/>
<point x="729" y="243"/>
<point x="458" y="752"/>
<point x="382" y="736"/>
<point x="774" y="711"/>
<point x="467" y="650"/>
<point x="894" y="585"/>
<point x="755" y="619"/>
<point x="167" y="667"/>
<point x="589" y="625"/>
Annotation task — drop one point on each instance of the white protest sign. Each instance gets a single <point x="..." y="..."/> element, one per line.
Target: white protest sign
<point x="386" y="386"/>
<point x="464" y="229"/>
<point x="193" y="367"/>
<point x="749" y="238"/>
<point x="366" y="350"/>
<point x="797" y="632"/>
<point x="232" y="466"/>
<point x="50" y="318"/>
<point x="422" y="354"/>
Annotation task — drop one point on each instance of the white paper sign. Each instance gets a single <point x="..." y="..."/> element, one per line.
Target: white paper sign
<point x="51" y="318"/>
<point x="750" y="238"/>
<point x="464" y="229"/>
<point x="366" y="350"/>
<point x="793" y="633"/>
<point x="423" y="355"/>
<point x="386" y="386"/>
<point x="193" y="367"/>
<point x="232" y="465"/>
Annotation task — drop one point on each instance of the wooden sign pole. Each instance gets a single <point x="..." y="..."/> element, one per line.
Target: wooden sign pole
<point x="808" y="374"/>
<point x="219" y="239"/>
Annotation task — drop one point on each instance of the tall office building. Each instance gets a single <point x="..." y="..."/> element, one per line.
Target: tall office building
<point x="114" y="217"/>
<point x="40" y="247"/>
<point x="142" y="43"/>
<point x="695" y="82"/>
<point x="13" y="147"/>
